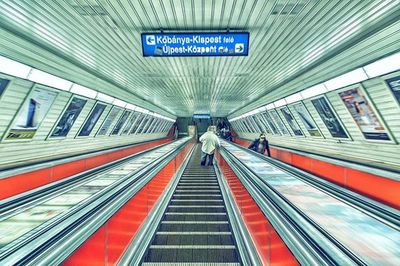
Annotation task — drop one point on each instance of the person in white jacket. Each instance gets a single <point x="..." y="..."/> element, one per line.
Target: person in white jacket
<point x="209" y="142"/>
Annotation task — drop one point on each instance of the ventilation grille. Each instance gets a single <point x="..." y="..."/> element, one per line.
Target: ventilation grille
<point x="89" y="10"/>
<point x="288" y="9"/>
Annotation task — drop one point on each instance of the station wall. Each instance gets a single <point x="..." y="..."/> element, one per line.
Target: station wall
<point x="357" y="147"/>
<point x="15" y="151"/>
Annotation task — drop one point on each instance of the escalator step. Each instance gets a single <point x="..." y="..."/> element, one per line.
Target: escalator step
<point x="195" y="216"/>
<point x="197" y="196"/>
<point x="192" y="254"/>
<point x="189" y="264"/>
<point x="198" y="190"/>
<point x="190" y="227"/>
<point x="193" y="233"/>
<point x="195" y="208"/>
<point x="178" y="239"/>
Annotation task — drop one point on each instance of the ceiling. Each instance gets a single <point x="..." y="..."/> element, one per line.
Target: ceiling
<point x="97" y="43"/>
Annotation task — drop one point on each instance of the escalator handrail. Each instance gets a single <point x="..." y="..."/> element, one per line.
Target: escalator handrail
<point x="44" y="243"/>
<point x="247" y="250"/>
<point x="380" y="211"/>
<point x="32" y="197"/>
<point x="139" y="245"/>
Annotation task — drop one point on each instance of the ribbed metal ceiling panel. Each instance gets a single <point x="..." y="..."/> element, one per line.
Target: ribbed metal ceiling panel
<point x="287" y="37"/>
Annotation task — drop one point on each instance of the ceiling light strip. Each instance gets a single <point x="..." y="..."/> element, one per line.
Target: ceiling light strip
<point x="17" y="69"/>
<point x="378" y="68"/>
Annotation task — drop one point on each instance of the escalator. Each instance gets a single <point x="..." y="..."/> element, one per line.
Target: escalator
<point x="195" y="228"/>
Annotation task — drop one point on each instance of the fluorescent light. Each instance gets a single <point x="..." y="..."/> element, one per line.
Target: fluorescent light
<point x="47" y="79"/>
<point x="383" y="66"/>
<point x="119" y="103"/>
<point x="270" y="106"/>
<point x="344" y="80"/>
<point x="14" y="68"/>
<point x="78" y="89"/>
<point x="104" y="97"/>
<point x="140" y="109"/>
<point x="294" y="98"/>
<point x="313" y="91"/>
<point x="280" y="103"/>
<point x="130" y="107"/>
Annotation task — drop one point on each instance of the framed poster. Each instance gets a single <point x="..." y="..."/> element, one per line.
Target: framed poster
<point x="292" y="123"/>
<point x="262" y="123"/>
<point x="394" y="85"/>
<point x="270" y="123"/>
<point x="3" y="85"/>
<point x="363" y="114"/>
<point x="121" y="121"/>
<point x="306" y="119"/>
<point x="92" y="119"/>
<point x="129" y="124"/>
<point x="108" y="121"/>
<point x="279" y="122"/>
<point x="31" y="114"/>
<point x="137" y="123"/>
<point x="329" y="118"/>
<point x="68" y="118"/>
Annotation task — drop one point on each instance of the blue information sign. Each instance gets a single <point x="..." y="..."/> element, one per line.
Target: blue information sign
<point x="195" y="44"/>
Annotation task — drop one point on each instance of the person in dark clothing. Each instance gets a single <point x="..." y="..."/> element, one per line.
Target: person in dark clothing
<point x="260" y="145"/>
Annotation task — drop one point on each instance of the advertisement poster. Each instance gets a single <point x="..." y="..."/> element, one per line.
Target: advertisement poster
<point x="3" y="85"/>
<point x="137" y="123"/>
<point x="279" y="122"/>
<point x="329" y="118"/>
<point x="107" y="123"/>
<point x="361" y="110"/>
<point x="394" y="85"/>
<point x="94" y="116"/>
<point x="130" y="123"/>
<point x="143" y="124"/>
<point x="31" y="114"/>
<point x="270" y="123"/>
<point x="292" y="123"/>
<point x="307" y="120"/>
<point x="68" y="118"/>
<point x="261" y="123"/>
<point x="120" y="122"/>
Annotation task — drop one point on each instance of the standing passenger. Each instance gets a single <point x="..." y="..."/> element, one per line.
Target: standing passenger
<point x="260" y="145"/>
<point x="209" y="142"/>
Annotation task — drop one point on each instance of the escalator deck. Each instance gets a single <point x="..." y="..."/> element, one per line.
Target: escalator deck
<point x="195" y="229"/>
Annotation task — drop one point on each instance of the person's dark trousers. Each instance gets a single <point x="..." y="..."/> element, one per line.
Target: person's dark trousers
<point x="210" y="159"/>
<point x="204" y="158"/>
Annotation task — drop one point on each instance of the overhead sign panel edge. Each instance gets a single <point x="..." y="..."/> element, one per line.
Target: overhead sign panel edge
<point x="195" y="44"/>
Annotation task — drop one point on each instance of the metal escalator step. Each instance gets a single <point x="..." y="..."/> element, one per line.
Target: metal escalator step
<point x="197" y="195"/>
<point x="194" y="222"/>
<point x="190" y="227"/>
<point x="196" y="200"/>
<point x="195" y="187"/>
<point x="199" y="255"/>
<point x="193" y="233"/>
<point x="198" y="190"/>
<point x="180" y="239"/>
<point x="198" y="181"/>
<point x="190" y="216"/>
<point x="189" y="208"/>
<point x="191" y="178"/>
<point x="192" y="247"/>
<point x="190" y="264"/>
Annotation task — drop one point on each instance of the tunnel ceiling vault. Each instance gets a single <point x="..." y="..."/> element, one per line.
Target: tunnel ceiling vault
<point x="102" y="38"/>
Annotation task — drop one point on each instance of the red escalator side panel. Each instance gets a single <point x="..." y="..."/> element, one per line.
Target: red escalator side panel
<point x="17" y="184"/>
<point x="377" y="187"/>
